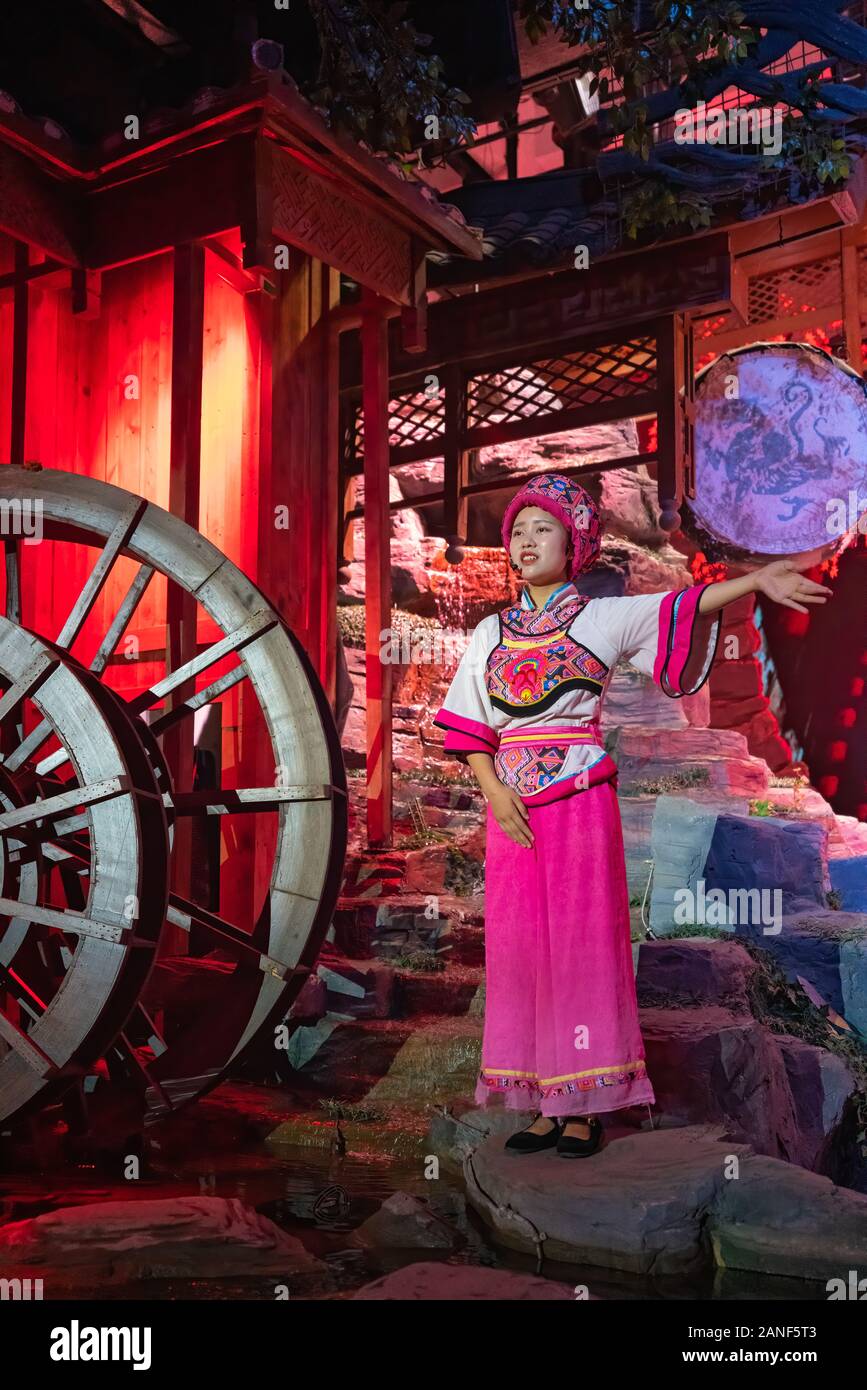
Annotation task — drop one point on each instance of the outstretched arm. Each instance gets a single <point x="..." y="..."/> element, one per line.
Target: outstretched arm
<point x="781" y="580"/>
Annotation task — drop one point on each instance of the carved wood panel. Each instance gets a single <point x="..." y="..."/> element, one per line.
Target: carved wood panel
<point x="34" y="209"/>
<point x="313" y="213"/>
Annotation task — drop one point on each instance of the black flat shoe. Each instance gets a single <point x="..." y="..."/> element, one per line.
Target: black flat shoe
<point x="570" y="1147"/>
<point x="526" y="1143"/>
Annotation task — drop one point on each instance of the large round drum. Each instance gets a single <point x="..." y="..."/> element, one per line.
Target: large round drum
<point x="780" y="452"/>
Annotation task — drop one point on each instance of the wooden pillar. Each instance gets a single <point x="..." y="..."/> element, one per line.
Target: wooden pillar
<point x="18" y="416"/>
<point x="188" y="309"/>
<point x="669" y="371"/>
<point x="297" y="565"/>
<point x="290" y="546"/>
<point x="377" y="569"/>
<point x="20" y="321"/>
<point x="324" y="471"/>
<point x="455" y="459"/>
<point x="851" y="303"/>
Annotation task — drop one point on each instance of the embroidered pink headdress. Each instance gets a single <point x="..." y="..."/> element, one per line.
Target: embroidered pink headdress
<point x="561" y="496"/>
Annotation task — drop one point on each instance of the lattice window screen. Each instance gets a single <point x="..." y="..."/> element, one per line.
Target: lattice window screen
<point x="583" y="378"/>
<point x="795" y="290"/>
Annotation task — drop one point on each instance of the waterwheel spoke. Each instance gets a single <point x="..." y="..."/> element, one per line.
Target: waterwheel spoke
<point x="29" y="1051"/>
<point x="218" y="801"/>
<point x="142" y="1019"/>
<point x="107" y="647"/>
<point x="130" y="1058"/>
<point x="13" y="581"/>
<point x="30" y="680"/>
<point x="66" y="921"/>
<point x="194" y="702"/>
<point x="185" y="914"/>
<point x="129" y="520"/>
<point x="57" y="805"/>
<point x="256" y="626"/>
<point x="122" y="618"/>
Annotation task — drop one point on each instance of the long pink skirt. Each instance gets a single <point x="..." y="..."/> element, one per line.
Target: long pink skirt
<point x="561" y="1030"/>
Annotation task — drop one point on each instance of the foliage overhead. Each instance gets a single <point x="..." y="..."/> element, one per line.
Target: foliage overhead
<point x="378" y="80"/>
<point x="685" y="47"/>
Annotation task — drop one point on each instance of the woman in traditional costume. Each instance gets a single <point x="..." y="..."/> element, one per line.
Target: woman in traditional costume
<point x="561" y="1032"/>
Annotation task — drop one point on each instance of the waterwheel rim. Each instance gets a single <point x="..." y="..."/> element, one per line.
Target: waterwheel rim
<point x="308" y="796"/>
<point x="71" y="970"/>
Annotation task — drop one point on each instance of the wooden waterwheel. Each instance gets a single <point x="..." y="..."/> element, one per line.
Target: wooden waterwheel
<point x="89" y="812"/>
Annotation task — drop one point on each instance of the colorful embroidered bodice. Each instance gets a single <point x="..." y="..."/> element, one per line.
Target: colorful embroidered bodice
<point x="536" y="662"/>
<point x="529" y="688"/>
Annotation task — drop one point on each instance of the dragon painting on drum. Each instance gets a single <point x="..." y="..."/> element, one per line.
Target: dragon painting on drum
<point x="780" y="435"/>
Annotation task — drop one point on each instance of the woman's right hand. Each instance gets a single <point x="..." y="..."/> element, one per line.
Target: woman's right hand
<point x="511" y="814"/>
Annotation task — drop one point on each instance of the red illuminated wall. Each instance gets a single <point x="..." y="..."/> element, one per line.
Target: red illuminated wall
<point x="99" y="403"/>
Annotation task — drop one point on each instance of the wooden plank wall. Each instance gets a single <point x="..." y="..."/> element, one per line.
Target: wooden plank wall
<point x="99" y="403"/>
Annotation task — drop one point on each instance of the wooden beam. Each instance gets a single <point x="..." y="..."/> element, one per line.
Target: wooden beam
<point x="43" y="271"/>
<point x="188" y="307"/>
<point x="39" y="209"/>
<point x="230" y="268"/>
<point x="789" y="254"/>
<point x="625" y="407"/>
<point x="761" y="332"/>
<point x="377" y="545"/>
<point x="322" y="470"/>
<point x="85" y="292"/>
<point x="740" y="293"/>
<point x="198" y="196"/>
<point x="316" y="213"/>
<point x="565" y="308"/>
<point x="257" y="208"/>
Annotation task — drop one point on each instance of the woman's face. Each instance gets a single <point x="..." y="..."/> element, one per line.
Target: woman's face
<point x="538" y="546"/>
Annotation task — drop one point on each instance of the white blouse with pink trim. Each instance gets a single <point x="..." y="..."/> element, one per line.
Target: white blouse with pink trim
<point x="529" y="687"/>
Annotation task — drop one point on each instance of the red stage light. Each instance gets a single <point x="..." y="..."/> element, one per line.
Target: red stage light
<point x="847" y="718"/>
<point x="837" y="751"/>
<point x="828" y="786"/>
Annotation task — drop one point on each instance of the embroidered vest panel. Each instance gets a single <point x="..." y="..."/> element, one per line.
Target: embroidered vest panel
<point x="536" y="662"/>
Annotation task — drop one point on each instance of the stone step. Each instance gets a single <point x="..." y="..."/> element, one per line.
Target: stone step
<point x="663" y="1202"/>
<point x="455" y="796"/>
<point x="449" y="991"/>
<point x="849" y="880"/>
<point x="649" y="759"/>
<point x="437" y="1064"/>
<point x="690" y="971"/>
<point x="411" y="922"/>
<point x="848" y="838"/>
<point x="714" y="1065"/>
<point x="375" y="989"/>
<point x="694" y="845"/>
<point x="419" y="1061"/>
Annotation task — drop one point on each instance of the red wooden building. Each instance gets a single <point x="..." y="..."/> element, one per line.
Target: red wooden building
<point x="165" y="325"/>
